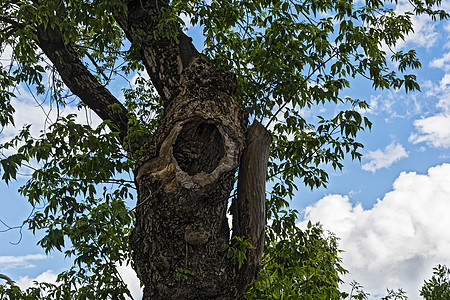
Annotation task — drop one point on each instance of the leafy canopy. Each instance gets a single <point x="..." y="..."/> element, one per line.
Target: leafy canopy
<point x="289" y="56"/>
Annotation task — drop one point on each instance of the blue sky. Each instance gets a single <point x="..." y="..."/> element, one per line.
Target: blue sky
<point x="390" y="210"/>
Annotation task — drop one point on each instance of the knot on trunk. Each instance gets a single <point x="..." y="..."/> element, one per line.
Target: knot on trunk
<point x="196" y="235"/>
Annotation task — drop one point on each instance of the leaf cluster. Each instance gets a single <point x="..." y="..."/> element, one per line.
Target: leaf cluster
<point x="438" y="287"/>
<point x="299" y="264"/>
<point x="237" y="251"/>
<point x="78" y="191"/>
<point x="291" y="56"/>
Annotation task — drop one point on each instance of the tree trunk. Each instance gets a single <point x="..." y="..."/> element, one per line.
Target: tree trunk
<point x="184" y="182"/>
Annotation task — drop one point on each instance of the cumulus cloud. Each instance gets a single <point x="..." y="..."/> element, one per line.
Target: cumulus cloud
<point x="48" y="276"/>
<point x="40" y="116"/>
<point x="5" y="56"/>
<point x="397" y="242"/>
<point x="435" y="130"/>
<point x="126" y="272"/>
<point x="379" y="158"/>
<point x="394" y="104"/>
<point x="133" y="80"/>
<point x="186" y="20"/>
<point x="28" y="111"/>
<point x="425" y="33"/>
<point x="447" y="27"/>
<point x="15" y="262"/>
<point x="382" y="103"/>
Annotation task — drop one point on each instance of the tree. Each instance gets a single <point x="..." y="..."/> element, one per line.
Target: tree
<point x="184" y="133"/>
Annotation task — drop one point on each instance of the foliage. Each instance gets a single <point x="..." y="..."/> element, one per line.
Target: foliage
<point x="299" y="264"/>
<point x="289" y="57"/>
<point x="438" y="287"/>
<point x="182" y="274"/>
<point x="78" y="202"/>
<point x="356" y="292"/>
<point x="395" y="295"/>
<point x="238" y="249"/>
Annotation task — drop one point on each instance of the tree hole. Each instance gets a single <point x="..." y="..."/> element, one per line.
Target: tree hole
<point x="199" y="147"/>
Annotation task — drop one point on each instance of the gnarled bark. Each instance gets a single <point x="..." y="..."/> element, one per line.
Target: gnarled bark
<point x="164" y="59"/>
<point x="184" y="181"/>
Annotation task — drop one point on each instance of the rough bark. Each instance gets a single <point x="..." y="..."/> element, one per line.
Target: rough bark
<point x="248" y="209"/>
<point x="184" y="181"/>
<point x="164" y="59"/>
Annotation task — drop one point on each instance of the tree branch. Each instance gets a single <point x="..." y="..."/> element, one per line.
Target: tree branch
<point x="12" y="22"/>
<point x="2" y="276"/>
<point x="79" y="80"/>
<point x="163" y="60"/>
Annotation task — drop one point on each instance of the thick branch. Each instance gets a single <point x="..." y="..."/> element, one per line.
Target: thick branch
<point x="163" y="60"/>
<point x="79" y="80"/>
<point x="2" y="276"/>
<point x="249" y="211"/>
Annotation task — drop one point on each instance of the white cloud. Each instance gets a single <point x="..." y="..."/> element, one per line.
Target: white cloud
<point x="30" y="109"/>
<point x="26" y="282"/>
<point x="187" y="21"/>
<point x="379" y="159"/>
<point x="397" y="242"/>
<point x="27" y="111"/>
<point x="15" y="262"/>
<point x="143" y="74"/>
<point x="425" y="33"/>
<point x="434" y="131"/>
<point x="447" y="25"/>
<point x="381" y="103"/>
<point x="447" y="28"/>
<point x="445" y="82"/>
<point x="5" y="56"/>
<point x="442" y="62"/>
<point x="394" y="104"/>
<point x="126" y="272"/>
